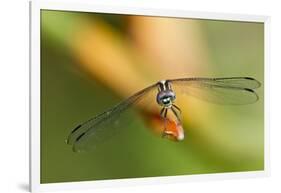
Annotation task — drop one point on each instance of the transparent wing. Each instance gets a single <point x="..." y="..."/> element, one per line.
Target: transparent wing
<point x="98" y="129"/>
<point x="233" y="91"/>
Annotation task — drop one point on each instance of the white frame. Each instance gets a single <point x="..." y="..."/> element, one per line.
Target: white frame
<point x="36" y="6"/>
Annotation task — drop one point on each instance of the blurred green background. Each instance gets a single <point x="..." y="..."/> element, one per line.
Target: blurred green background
<point x="89" y="62"/>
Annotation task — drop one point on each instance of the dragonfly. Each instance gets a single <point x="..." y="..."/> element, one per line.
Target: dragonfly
<point x="229" y="91"/>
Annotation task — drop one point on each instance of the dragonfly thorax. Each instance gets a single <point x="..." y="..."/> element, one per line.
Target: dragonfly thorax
<point x="166" y="95"/>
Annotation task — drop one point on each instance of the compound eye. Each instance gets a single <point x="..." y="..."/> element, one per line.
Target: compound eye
<point x="166" y="101"/>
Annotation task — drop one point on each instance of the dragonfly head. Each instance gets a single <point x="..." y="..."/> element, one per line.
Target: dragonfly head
<point x="166" y="98"/>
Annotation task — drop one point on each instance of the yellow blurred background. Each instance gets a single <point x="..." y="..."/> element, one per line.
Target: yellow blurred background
<point x="90" y="62"/>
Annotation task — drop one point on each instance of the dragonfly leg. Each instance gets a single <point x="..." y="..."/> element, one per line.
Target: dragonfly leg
<point x="177" y="107"/>
<point x="163" y="114"/>
<point x="177" y="112"/>
<point x="180" y="132"/>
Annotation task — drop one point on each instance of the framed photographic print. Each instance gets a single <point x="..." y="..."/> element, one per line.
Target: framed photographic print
<point x="128" y="95"/>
